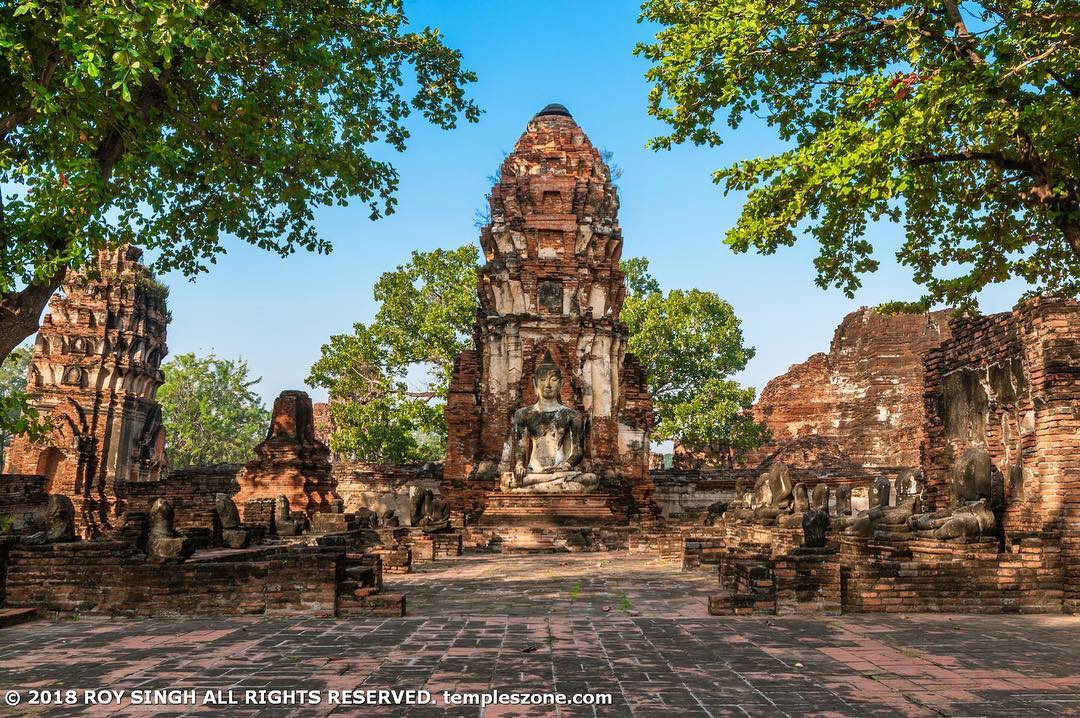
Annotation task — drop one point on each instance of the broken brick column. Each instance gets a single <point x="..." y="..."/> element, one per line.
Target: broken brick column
<point x="291" y="461"/>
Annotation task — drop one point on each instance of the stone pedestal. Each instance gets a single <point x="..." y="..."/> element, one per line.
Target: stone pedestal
<point x="446" y="545"/>
<point x="808" y="582"/>
<point x="548" y="510"/>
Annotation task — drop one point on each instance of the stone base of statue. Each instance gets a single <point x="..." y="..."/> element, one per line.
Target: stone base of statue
<point x="540" y="510"/>
<point x="553" y="482"/>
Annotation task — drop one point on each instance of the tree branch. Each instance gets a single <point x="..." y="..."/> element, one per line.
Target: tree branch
<point x="1031" y="61"/>
<point x="968" y="156"/>
<point x="24" y="114"/>
<point x="967" y="42"/>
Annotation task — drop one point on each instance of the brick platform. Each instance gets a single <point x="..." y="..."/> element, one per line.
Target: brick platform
<point x="547" y="510"/>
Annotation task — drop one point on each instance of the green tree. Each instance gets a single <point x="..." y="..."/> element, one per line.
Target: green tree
<point x="692" y="343"/>
<point x="426" y="311"/>
<point x="210" y="412"/>
<point x="170" y="124"/>
<point x="960" y="119"/>
<point x="16" y="414"/>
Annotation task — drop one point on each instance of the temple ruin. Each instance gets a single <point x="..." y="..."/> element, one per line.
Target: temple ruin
<point x="94" y="372"/>
<point x="550" y="291"/>
<point x="923" y="463"/>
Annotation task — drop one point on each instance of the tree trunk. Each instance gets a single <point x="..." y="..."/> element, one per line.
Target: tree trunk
<point x="20" y="312"/>
<point x="1071" y="230"/>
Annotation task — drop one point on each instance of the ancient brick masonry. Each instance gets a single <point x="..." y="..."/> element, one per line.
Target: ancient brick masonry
<point x="1010" y="384"/>
<point x="94" y="372"/>
<point x="291" y="460"/>
<point x="1001" y="440"/>
<point x="864" y="397"/>
<point x="551" y="283"/>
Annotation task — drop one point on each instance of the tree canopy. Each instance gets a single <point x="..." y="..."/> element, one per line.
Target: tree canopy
<point x="210" y="412"/>
<point x="960" y="119"/>
<point x="170" y="124"/>
<point x="691" y="342"/>
<point x="426" y="311"/>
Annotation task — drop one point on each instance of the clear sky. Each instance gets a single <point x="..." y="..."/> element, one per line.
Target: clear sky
<point x="276" y="313"/>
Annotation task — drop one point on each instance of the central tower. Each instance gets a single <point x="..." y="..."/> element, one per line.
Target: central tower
<point x="550" y="291"/>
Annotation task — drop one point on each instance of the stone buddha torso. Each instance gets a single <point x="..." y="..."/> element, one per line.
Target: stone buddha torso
<point x="548" y="440"/>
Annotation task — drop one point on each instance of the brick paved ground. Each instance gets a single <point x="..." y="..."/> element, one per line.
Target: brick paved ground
<point x="510" y="623"/>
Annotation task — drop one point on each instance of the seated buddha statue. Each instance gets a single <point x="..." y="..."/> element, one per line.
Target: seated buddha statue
<point x="548" y="440"/>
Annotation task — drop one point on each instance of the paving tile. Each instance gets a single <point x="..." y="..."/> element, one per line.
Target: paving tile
<point x="480" y="623"/>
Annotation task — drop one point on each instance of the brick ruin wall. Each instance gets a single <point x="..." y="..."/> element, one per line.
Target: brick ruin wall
<point x="112" y="577"/>
<point x="765" y="572"/>
<point x="23" y="501"/>
<point x="381" y="487"/>
<point x="683" y="495"/>
<point x="191" y="492"/>
<point x="1010" y="384"/>
<point x="859" y="404"/>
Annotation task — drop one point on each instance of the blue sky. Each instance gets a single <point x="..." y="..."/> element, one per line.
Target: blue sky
<point x="276" y="313"/>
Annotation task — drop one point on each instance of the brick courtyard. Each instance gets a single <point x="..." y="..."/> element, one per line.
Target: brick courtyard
<point x="599" y="623"/>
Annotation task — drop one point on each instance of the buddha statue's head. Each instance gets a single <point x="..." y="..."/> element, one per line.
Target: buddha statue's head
<point x="547" y="379"/>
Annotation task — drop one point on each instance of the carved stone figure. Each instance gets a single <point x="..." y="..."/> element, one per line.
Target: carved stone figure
<point x="367" y="518"/>
<point x="880" y="492"/>
<point x="227" y="512"/>
<point x="283" y="521"/>
<point x="715" y="512"/>
<point x="977" y="489"/>
<point x="802" y="505"/>
<point x="862" y="524"/>
<point x="163" y="542"/>
<point x="740" y="508"/>
<point x="773" y="493"/>
<point x="815" y="523"/>
<point x="549" y="440"/>
<point x="59" y="522"/>
<point x="429" y="512"/>
<point x="893" y="524"/>
<point x="232" y="533"/>
<point x="820" y="498"/>
<point x="965" y="523"/>
<point x="843" y="500"/>
<point x="971" y="476"/>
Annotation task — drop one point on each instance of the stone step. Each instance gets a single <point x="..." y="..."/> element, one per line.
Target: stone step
<point x="15" y="616"/>
<point x="380" y="605"/>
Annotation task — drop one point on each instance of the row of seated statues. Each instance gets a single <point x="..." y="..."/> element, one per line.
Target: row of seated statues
<point x="977" y="498"/>
<point x="429" y="513"/>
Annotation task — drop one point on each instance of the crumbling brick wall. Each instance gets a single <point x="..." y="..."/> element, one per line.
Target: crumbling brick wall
<point x="111" y="577"/>
<point x="382" y="487"/>
<point x="23" y="501"/>
<point x="1009" y="383"/>
<point x="863" y="397"/>
<point x="191" y="492"/>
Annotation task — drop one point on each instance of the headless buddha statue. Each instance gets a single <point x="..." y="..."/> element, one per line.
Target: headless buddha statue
<point x="548" y="440"/>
